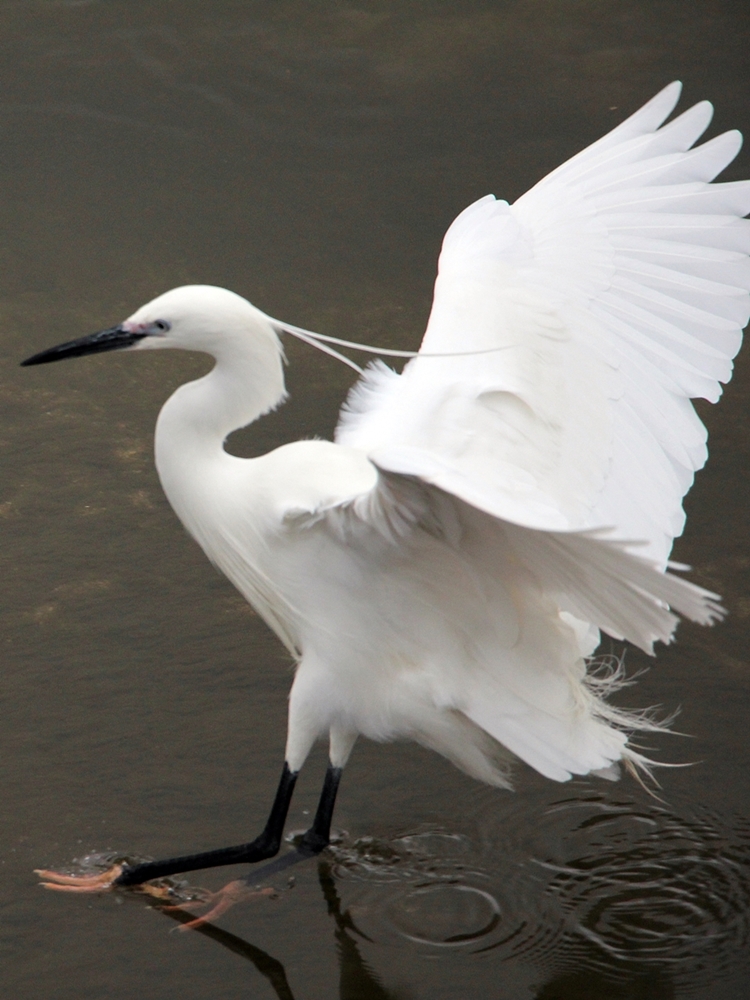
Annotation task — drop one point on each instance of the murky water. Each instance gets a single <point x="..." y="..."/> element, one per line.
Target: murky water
<point x="310" y="156"/>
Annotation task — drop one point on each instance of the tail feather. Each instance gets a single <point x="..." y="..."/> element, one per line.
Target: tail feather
<point x="546" y="700"/>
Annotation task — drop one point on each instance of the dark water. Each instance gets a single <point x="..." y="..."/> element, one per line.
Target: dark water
<point x="310" y="156"/>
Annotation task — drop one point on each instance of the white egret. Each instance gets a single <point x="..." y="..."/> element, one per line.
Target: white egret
<point x="442" y="571"/>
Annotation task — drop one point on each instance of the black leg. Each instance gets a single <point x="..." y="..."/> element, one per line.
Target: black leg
<point x="264" y="846"/>
<point x="319" y="834"/>
<point x="312" y="842"/>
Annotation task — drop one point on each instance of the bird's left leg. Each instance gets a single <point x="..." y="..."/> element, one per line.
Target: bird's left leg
<point x="319" y="835"/>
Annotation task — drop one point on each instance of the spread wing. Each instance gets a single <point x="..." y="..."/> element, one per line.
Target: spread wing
<point x="581" y="320"/>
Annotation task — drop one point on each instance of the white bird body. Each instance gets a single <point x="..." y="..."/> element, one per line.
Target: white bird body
<point x="442" y="571"/>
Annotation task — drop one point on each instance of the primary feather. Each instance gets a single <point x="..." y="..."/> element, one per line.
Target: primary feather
<point x="617" y="289"/>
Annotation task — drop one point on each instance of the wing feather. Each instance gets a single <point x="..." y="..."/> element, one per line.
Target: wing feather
<point x="582" y="321"/>
<point x="642" y="263"/>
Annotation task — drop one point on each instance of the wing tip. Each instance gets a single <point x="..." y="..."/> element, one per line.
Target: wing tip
<point x="665" y="100"/>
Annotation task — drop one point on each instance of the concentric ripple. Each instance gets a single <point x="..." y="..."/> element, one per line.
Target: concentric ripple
<point x="649" y="888"/>
<point x="445" y="915"/>
<point x="429" y="889"/>
<point x="598" y="881"/>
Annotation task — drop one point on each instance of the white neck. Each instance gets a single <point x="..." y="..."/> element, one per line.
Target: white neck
<point x="246" y="382"/>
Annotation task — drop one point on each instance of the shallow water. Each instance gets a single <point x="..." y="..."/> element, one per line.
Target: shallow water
<point x="310" y="156"/>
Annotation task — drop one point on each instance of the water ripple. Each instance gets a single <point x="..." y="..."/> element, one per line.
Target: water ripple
<point x="430" y="889"/>
<point x="654" y="889"/>
<point x="594" y="880"/>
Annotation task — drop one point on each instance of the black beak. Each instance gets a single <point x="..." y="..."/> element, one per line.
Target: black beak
<point x="106" y="340"/>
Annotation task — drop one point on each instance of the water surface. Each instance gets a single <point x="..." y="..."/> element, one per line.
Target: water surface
<point x="310" y="156"/>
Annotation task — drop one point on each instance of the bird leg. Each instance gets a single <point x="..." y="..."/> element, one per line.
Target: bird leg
<point x="265" y="846"/>
<point x="319" y="834"/>
<point x="247" y="887"/>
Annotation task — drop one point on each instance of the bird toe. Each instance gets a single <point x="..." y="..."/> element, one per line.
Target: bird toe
<point x="79" y="883"/>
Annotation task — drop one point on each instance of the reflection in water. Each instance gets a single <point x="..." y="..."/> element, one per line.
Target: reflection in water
<point x="641" y="903"/>
<point x="356" y="981"/>
<point x="634" y="892"/>
<point x="268" y="966"/>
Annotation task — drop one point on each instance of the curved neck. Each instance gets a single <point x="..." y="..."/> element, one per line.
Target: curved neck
<point x="246" y="382"/>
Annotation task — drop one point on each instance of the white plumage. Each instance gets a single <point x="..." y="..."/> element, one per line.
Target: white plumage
<point x="441" y="572"/>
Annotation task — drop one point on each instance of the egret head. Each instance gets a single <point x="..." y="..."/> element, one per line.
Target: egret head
<point x="192" y="317"/>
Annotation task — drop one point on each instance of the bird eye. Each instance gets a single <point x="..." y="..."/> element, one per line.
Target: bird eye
<point x="161" y="324"/>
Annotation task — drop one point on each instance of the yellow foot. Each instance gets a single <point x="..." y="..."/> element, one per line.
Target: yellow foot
<point x="234" y="892"/>
<point x="80" y="883"/>
<point x="102" y="882"/>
